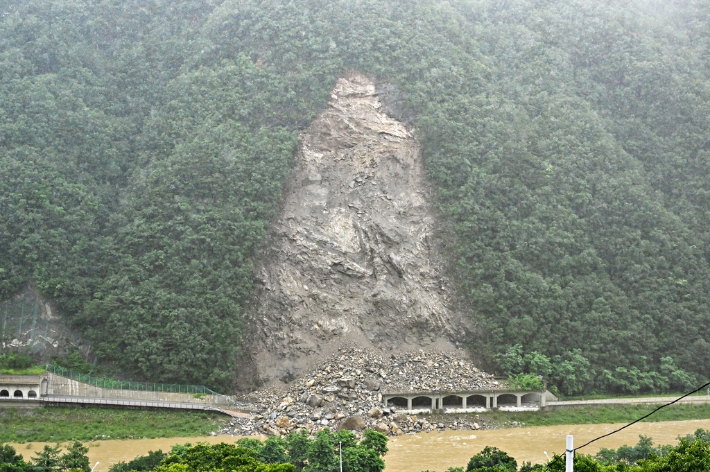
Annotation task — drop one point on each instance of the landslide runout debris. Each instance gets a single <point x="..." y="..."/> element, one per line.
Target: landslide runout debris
<point x="349" y="385"/>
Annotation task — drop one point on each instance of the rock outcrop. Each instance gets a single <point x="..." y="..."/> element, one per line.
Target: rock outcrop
<point x="30" y="323"/>
<point x="353" y="256"/>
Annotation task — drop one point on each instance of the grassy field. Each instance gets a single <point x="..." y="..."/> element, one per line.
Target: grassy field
<point x="599" y="414"/>
<point x="68" y="423"/>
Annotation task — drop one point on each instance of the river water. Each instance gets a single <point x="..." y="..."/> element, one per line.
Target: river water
<point x="432" y="451"/>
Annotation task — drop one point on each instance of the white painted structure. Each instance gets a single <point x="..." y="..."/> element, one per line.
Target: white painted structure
<point x="22" y="387"/>
<point x="467" y="402"/>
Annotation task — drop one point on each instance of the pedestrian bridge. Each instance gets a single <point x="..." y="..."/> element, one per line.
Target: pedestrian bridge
<point x="467" y="401"/>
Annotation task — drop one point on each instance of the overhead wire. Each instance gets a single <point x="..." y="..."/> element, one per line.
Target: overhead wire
<point x="640" y="419"/>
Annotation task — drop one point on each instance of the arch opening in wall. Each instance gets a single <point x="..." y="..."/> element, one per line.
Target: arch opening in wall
<point x="530" y="398"/>
<point x="476" y="401"/>
<point x="452" y="401"/>
<point x="507" y="399"/>
<point x="31" y="394"/>
<point x="399" y="402"/>
<point x="4" y="394"/>
<point x="421" y="402"/>
<point x="18" y="394"/>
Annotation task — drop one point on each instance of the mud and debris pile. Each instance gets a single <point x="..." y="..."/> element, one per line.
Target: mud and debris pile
<point x="346" y="392"/>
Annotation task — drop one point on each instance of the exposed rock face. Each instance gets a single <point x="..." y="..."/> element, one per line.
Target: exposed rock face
<point x="30" y="323"/>
<point x="352" y="257"/>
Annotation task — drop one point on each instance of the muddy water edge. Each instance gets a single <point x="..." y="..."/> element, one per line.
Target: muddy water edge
<point x="430" y="451"/>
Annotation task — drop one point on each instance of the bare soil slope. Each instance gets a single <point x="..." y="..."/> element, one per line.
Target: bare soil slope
<point x="353" y="257"/>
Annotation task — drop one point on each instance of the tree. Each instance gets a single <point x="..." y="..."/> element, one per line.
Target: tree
<point x="274" y="451"/>
<point x="491" y="458"/>
<point x="321" y="456"/>
<point x="297" y="444"/>
<point x="10" y="461"/>
<point x="47" y="460"/>
<point x="140" y="463"/>
<point x="374" y="441"/>
<point x="75" y="458"/>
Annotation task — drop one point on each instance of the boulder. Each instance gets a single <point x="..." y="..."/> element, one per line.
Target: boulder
<point x="382" y="428"/>
<point x="346" y="382"/>
<point x="283" y="422"/>
<point x="372" y="385"/>
<point x="355" y="422"/>
<point x="315" y="401"/>
<point x="375" y="412"/>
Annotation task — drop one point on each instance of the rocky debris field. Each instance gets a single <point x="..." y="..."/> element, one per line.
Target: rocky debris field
<point x="346" y="393"/>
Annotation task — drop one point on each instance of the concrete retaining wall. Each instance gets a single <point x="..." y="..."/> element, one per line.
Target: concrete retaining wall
<point x="63" y="386"/>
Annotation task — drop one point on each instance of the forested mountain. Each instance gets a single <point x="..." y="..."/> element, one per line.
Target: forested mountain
<point x="144" y="146"/>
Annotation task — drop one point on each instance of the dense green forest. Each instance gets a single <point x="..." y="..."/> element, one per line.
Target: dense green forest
<point x="144" y="145"/>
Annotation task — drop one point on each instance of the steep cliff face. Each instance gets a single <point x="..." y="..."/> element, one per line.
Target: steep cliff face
<point x="353" y="257"/>
<point x="30" y="323"/>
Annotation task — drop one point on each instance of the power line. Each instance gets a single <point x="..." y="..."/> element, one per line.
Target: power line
<point x="642" y="418"/>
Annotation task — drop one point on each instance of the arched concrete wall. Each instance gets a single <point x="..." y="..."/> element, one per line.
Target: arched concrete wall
<point x="422" y="402"/>
<point x="19" y="386"/>
<point x="452" y="401"/>
<point x="398" y="401"/>
<point x="530" y="398"/>
<point x="507" y="399"/>
<point x="477" y="401"/>
<point x="468" y="401"/>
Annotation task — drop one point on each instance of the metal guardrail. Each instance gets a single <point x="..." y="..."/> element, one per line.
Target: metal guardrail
<point x="128" y="385"/>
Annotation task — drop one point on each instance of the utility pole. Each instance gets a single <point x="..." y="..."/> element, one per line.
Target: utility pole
<point x="341" y="456"/>
<point x="569" y="454"/>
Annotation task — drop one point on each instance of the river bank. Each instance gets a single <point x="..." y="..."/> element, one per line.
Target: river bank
<point x="85" y="424"/>
<point x="434" y="451"/>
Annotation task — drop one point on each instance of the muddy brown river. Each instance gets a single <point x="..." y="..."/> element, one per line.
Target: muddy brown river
<point x="432" y="451"/>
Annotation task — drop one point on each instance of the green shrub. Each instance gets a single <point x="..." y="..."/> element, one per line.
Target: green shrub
<point x="492" y="459"/>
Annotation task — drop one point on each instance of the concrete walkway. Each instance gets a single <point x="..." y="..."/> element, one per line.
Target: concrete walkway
<point x="67" y="399"/>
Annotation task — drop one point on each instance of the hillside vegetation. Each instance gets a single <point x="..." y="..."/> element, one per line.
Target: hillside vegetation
<point x="144" y="145"/>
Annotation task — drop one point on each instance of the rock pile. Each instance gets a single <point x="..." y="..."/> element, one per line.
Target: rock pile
<point x="346" y="392"/>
